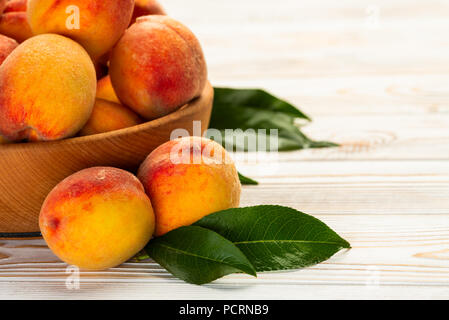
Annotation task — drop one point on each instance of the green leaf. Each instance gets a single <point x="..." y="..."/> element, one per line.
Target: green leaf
<point x="252" y="110"/>
<point x="197" y="255"/>
<point x="275" y="237"/>
<point x="247" y="181"/>
<point x="256" y="98"/>
<point x="141" y="256"/>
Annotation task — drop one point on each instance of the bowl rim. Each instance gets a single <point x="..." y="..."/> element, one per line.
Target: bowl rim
<point x="188" y="108"/>
<point x="195" y="109"/>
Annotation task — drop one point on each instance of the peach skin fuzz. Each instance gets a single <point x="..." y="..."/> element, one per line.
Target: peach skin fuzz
<point x="145" y="8"/>
<point x="15" y="25"/>
<point x="157" y="66"/>
<point x="7" y="45"/>
<point x="95" y="24"/>
<point x="97" y="218"/>
<point x="187" y="179"/>
<point x="105" y="90"/>
<point x="54" y="98"/>
<point x="109" y="116"/>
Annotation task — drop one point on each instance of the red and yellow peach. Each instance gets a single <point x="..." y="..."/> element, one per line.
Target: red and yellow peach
<point x="145" y="8"/>
<point x="15" y="25"/>
<point x="47" y="89"/>
<point x="15" y="6"/>
<point x="109" y="116"/>
<point x="187" y="179"/>
<point x="95" y="24"/>
<point x="105" y="90"/>
<point x="7" y="45"/>
<point x="157" y="66"/>
<point x="97" y="218"/>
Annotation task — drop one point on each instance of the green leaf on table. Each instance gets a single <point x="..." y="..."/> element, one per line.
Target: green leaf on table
<point x="252" y="110"/>
<point x="275" y="237"/>
<point x="247" y="181"/>
<point x="197" y="255"/>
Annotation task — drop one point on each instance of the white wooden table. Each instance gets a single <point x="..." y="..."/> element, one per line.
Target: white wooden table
<point x="374" y="75"/>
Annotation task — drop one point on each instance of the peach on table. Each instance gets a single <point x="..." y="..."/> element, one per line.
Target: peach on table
<point x="182" y="192"/>
<point x="97" y="218"/>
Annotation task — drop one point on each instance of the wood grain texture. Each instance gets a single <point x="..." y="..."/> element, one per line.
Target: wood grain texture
<point x="374" y="77"/>
<point x="388" y="251"/>
<point x="29" y="171"/>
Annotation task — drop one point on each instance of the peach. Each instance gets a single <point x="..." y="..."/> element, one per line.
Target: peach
<point x="105" y="90"/>
<point x="97" y="218"/>
<point x="15" y="5"/>
<point x="109" y="116"/>
<point x="47" y="89"/>
<point x="7" y="45"/>
<point x="187" y="179"/>
<point x="95" y="24"/>
<point x="157" y="66"/>
<point x="145" y="8"/>
<point x="15" y="25"/>
<point x="2" y="6"/>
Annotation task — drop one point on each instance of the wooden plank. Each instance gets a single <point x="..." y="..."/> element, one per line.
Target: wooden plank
<point x="354" y="198"/>
<point x="351" y="187"/>
<point x="347" y="171"/>
<point x="387" y="251"/>
<point x="163" y="291"/>
<point x="329" y="61"/>
<point x="346" y="95"/>
<point x="368" y="137"/>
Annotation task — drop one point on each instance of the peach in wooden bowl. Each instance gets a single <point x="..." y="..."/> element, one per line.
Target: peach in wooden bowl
<point x="156" y="67"/>
<point x="28" y="171"/>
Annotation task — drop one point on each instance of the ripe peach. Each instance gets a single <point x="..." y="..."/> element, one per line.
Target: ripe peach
<point x="97" y="218"/>
<point x="187" y="179"/>
<point x="145" y="8"/>
<point x="15" y="5"/>
<point x="109" y="116"/>
<point x="47" y="89"/>
<point x="101" y="23"/>
<point x="157" y="66"/>
<point x="105" y="90"/>
<point x="7" y="45"/>
<point x="15" y="25"/>
<point x="2" y="5"/>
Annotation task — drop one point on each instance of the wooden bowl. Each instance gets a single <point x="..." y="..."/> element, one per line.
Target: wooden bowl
<point x="28" y="171"/>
